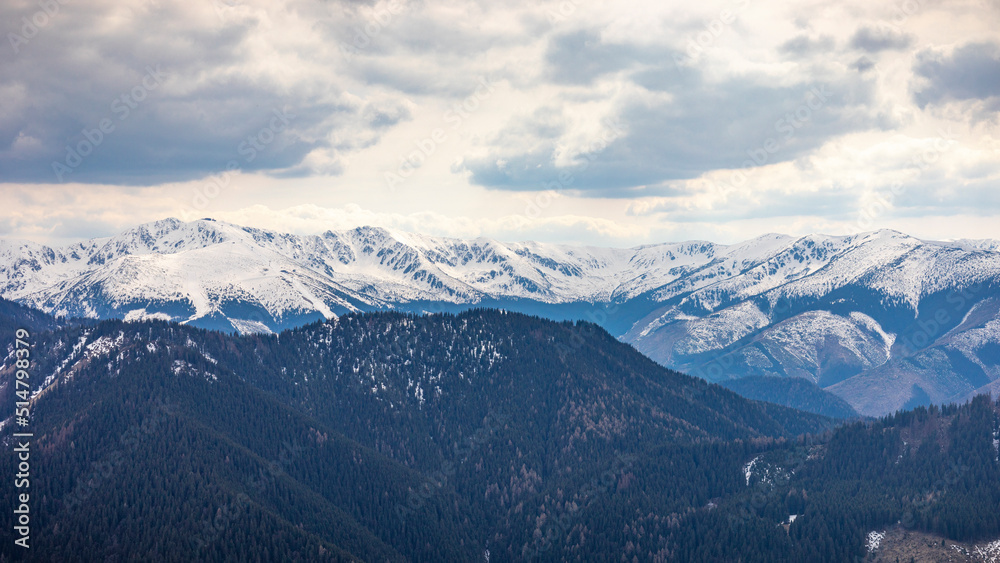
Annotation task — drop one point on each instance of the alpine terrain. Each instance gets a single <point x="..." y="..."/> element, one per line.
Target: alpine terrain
<point x="483" y="436"/>
<point x="883" y="320"/>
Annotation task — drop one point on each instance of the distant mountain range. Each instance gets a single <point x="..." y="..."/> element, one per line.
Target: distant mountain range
<point x="881" y="319"/>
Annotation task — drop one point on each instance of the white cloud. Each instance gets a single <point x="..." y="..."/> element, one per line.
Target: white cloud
<point x="694" y="90"/>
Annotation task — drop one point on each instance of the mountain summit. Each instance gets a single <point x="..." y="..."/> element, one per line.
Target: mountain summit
<point x="849" y="313"/>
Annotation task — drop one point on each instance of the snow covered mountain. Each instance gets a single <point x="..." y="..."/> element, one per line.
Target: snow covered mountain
<point x="881" y="319"/>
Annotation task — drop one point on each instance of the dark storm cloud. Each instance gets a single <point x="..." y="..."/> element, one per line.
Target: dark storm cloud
<point x="972" y="72"/>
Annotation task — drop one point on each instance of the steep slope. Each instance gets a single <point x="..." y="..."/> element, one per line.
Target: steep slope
<point x="823" y="308"/>
<point x="794" y="392"/>
<point x="246" y="446"/>
<point x="14" y="316"/>
<point x="145" y="449"/>
<point x="395" y="437"/>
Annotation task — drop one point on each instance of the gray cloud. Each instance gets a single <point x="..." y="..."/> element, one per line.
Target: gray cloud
<point x="863" y="64"/>
<point x="946" y="195"/>
<point x="688" y="127"/>
<point x="386" y="115"/>
<point x="972" y="72"/>
<point x="166" y="97"/>
<point x="884" y="38"/>
<point x="832" y="204"/>
<point x="803" y="45"/>
<point x="348" y="74"/>
<point x="411" y="49"/>
<point x="581" y="57"/>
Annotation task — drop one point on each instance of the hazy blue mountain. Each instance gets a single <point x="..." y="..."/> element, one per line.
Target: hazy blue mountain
<point x="794" y="392"/>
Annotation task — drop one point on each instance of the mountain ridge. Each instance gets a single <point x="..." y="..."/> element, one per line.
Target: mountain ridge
<point x="399" y="437"/>
<point x="837" y="310"/>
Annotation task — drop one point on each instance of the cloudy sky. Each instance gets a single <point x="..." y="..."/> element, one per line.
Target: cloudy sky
<point x="579" y="121"/>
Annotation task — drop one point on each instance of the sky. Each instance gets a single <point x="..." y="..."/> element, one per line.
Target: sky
<point x="571" y="121"/>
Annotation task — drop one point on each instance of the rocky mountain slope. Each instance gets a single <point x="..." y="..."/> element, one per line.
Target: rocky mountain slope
<point x="882" y="319"/>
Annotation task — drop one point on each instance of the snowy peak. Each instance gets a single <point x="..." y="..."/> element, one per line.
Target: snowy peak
<point x="376" y="266"/>
<point x="831" y="309"/>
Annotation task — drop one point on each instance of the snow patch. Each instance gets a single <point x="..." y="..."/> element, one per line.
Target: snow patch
<point x="316" y="302"/>
<point x="990" y="553"/>
<point x="748" y="469"/>
<point x="804" y="337"/>
<point x="180" y="367"/>
<point x="141" y="315"/>
<point x="250" y="327"/>
<point x="722" y="328"/>
<point x="874" y="540"/>
<point x="871" y="324"/>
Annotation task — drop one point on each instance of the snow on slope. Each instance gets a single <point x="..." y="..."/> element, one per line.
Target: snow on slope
<point x="721" y="329"/>
<point x="806" y="336"/>
<point x="206" y="264"/>
<point x="821" y="307"/>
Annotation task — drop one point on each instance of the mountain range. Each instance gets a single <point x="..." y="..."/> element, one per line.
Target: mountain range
<point x="883" y="320"/>
<point x="483" y="436"/>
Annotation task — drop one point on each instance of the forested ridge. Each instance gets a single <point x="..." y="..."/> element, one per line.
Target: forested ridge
<point x="438" y="438"/>
<point x="795" y="392"/>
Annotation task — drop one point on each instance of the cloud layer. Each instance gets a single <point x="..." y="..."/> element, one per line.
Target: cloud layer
<point x="637" y="119"/>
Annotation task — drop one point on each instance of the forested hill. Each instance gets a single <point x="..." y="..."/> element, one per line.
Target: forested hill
<point x="14" y="316"/>
<point x="391" y="437"/>
<point x="793" y="392"/>
<point x="441" y="371"/>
